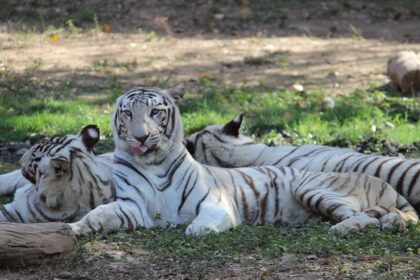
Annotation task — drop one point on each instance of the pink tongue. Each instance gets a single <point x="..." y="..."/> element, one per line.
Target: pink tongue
<point x="138" y="149"/>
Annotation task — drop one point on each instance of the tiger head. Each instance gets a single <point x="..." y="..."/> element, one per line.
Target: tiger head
<point x="214" y="145"/>
<point x="55" y="165"/>
<point x="146" y="123"/>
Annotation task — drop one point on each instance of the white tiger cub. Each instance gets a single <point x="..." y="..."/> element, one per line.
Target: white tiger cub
<point x="222" y="145"/>
<point x="63" y="180"/>
<point x="159" y="183"/>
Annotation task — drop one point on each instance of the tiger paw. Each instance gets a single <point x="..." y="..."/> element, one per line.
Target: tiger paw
<point x="78" y="228"/>
<point x="197" y="229"/>
<point x="391" y="220"/>
<point x="354" y="224"/>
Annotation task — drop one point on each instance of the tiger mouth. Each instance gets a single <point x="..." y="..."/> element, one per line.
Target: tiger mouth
<point x="138" y="149"/>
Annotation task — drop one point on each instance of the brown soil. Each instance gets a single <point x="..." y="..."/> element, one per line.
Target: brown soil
<point x="109" y="263"/>
<point x="330" y="46"/>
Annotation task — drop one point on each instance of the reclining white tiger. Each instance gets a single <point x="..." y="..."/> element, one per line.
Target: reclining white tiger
<point x="222" y="145"/>
<point x="63" y="180"/>
<point x="159" y="183"/>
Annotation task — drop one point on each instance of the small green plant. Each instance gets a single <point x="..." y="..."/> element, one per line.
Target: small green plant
<point x="148" y="35"/>
<point x="97" y="28"/>
<point x="355" y="32"/>
<point x="72" y="27"/>
<point x="100" y="65"/>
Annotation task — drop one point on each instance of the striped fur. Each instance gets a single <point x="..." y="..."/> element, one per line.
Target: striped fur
<point x="159" y="183"/>
<point x="221" y="145"/>
<point x="62" y="180"/>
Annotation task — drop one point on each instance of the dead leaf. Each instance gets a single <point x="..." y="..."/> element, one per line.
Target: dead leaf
<point x="106" y="28"/>
<point x="204" y="76"/>
<point x="54" y="37"/>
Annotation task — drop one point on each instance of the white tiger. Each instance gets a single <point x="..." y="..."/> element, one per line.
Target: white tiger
<point x="159" y="183"/>
<point x="222" y="145"/>
<point x="62" y="180"/>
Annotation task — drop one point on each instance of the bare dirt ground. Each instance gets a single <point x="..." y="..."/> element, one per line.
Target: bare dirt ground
<point x="334" y="65"/>
<point x="334" y="46"/>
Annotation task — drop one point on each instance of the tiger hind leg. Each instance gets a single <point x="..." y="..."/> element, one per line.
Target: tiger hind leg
<point x="394" y="217"/>
<point x="355" y="201"/>
<point x="385" y="217"/>
<point x="344" y="210"/>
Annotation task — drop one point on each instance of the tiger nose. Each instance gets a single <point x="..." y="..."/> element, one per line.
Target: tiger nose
<point x="142" y="139"/>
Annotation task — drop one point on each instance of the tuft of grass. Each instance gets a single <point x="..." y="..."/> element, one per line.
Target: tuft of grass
<point x="148" y="35"/>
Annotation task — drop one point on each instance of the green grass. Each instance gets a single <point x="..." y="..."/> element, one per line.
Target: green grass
<point x="170" y="247"/>
<point x="303" y="116"/>
<point x="352" y="118"/>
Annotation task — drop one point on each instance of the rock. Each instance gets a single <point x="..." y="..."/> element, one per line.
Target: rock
<point x="219" y="16"/>
<point x="389" y="125"/>
<point x="311" y="258"/>
<point x="288" y="260"/>
<point x="404" y="71"/>
<point x="373" y="128"/>
<point x="298" y="87"/>
<point x="328" y="103"/>
<point x="139" y="251"/>
<point x="332" y="74"/>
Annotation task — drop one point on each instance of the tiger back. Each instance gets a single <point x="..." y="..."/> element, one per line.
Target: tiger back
<point x="223" y="145"/>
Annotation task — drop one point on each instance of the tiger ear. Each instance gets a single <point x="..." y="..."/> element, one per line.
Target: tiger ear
<point x="177" y="92"/>
<point x="90" y="136"/>
<point x="232" y="127"/>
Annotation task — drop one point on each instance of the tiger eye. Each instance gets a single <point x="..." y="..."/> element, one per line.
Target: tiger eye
<point x="154" y="112"/>
<point x="128" y="113"/>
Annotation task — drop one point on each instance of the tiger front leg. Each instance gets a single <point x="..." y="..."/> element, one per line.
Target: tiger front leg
<point x="211" y="218"/>
<point x="113" y="216"/>
<point x="3" y="218"/>
<point x="12" y="181"/>
<point x="355" y="223"/>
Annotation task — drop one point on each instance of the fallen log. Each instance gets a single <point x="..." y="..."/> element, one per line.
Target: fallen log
<point x="404" y="71"/>
<point x="24" y="244"/>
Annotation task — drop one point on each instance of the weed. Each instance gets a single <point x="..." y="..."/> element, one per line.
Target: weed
<point x="355" y="32"/>
<point x="100" y="65"/>
<point x="72" y="27"/>
<point x="148" y="35"/>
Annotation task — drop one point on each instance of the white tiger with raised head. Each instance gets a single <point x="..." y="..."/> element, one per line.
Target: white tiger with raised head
<point x="159" y="183"/>
<point x="62" y="180"/>
<point x="223" y="145"/>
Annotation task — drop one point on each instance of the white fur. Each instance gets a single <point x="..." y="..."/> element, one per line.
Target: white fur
<point x="57" y="198"/>
<point x="168" y="187"/>
<point x="243" y="151"/>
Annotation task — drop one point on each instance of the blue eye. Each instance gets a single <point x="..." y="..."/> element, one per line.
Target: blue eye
<point x="127" y="113"/>
<point x="154" y="112"/>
